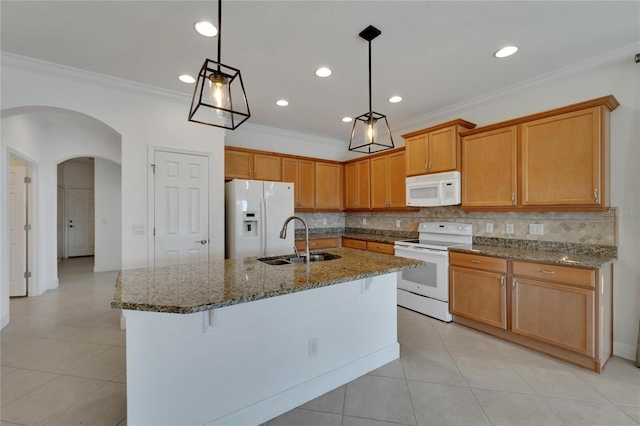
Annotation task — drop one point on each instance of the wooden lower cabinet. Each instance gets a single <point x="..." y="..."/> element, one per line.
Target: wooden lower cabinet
<point x="562" y="311"/>
<point x="378" y="247"/>
<point x="557" y="314"/>
<point x="479" y="295"/>
<point x="318" y="244"/>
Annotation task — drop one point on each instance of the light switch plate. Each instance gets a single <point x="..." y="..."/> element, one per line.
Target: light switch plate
<point x="489" y="227"/>
<point x="397" y="223"/>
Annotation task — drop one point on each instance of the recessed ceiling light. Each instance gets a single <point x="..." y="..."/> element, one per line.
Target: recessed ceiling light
<point x="206" y="29"/>
<point x="347" y="119"/>
<point x="506" y="51"/>
<point x="323" y="72"/>
<point x="395" y="99"/>
<point x="282" y="102"/>
<point x="186" y="78"/>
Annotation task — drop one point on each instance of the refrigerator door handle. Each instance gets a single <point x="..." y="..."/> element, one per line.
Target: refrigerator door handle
<point x="265" y="222"/>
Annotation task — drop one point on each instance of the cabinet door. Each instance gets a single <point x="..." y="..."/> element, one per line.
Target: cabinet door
<point x="318" y="244"/>
<point x="379" y="182"/>
<point x="306" y="184"/>
<point x="290" y="174"/>
<point x="354" y="244"/>
<point x="442" y="150"/>
<point x="397" y="180"/>
<point x="351" y="186"/>
<point x="364" y="197"/>
<point x="478" y="295"/>
<point x="238" y="164"/>
<point x="328" y="186"/>
<point x="267" y="167"/>
<point x="416" y="150"/>
<point x="561" y="158"/>
<point x="557" y="314"/>
<point x="489" y="168"/>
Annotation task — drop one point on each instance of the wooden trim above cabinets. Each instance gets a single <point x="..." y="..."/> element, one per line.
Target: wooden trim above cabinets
<point x="457" y="122"/>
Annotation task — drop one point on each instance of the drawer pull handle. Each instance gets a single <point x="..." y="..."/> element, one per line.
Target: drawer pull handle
<point x="474" y="261"/>
<point x="502" y="281"/>
<point x="543" y="271"/>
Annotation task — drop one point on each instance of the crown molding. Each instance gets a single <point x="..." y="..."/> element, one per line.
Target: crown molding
<point x="612" y="58"/>
<point x="290" y="133"/>
<point x="37" y="66"/>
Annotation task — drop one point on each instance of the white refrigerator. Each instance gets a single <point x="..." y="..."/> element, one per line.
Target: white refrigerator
<point x="255" y="213"/>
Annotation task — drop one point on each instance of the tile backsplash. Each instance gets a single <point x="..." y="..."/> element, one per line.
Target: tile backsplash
<point x="569" y="227"/>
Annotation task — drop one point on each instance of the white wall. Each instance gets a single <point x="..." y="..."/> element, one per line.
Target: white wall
<point x="108" y="199"/>
<point x="141" y="116"/>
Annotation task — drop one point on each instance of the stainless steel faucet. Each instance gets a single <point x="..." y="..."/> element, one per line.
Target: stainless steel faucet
<point x="283" y="235"/>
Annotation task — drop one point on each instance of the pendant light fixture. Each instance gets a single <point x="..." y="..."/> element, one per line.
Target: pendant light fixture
<point x="219" y="98"/>
<point x="375" y="137"/>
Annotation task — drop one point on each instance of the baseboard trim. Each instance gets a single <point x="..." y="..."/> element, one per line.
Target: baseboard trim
<point x="624" y="350"/>
<point x="105" y="269"/>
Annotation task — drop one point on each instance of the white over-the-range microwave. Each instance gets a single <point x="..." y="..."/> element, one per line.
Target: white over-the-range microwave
<point x="437" y="189"/>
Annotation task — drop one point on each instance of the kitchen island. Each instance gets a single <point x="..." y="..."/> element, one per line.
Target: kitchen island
<point x="240" y="342"/>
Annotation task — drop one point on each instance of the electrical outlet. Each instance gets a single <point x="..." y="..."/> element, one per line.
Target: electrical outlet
<point x="509" y="228"/>
<point x="364" y="221"/>
<point x="313" y="347"/>
<point x="536" y="229"/>
<point x="489" y="227"/>
<point x="324" y="220"/>
<point x="397" y="223"/>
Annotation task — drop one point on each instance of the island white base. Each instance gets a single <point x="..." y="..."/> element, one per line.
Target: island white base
<point x="247" y="363"/>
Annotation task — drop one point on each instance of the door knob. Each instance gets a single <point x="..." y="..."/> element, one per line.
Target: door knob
<point x="202" y="241"/>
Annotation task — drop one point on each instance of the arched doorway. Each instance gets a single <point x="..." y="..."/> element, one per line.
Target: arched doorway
<point x="48" y="136"/>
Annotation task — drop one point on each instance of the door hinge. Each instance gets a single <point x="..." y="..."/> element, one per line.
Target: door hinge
<point x="27" y="227"/>
<point x="27" y="179"/>
<point x="153" y="169"/>
<point x="27" y="274"/>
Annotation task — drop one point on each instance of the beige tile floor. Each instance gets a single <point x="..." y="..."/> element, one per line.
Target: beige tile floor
<point x="63" y="363"/>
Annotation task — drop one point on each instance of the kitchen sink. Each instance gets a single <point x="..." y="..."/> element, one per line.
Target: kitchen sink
<point x="289" y="258"/>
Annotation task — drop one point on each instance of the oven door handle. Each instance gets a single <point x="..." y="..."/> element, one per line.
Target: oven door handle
<point x="441" y="253"/>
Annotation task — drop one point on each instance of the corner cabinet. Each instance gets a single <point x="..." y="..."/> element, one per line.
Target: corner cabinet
<point x="377" y="181"/>
<point x="434" y="149"/>
<point x="556" y="160"/>
<point x="356" y="185"/>
<point x="328" y="186"/>
<point x="562" y="311"/>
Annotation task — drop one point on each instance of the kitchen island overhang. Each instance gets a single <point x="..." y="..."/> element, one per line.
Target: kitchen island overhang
<point x="242" y="342"/>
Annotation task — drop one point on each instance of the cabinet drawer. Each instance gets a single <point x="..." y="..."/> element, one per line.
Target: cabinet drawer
<point x="475" y="261"/>
<point x="563" y="274"/>
<point x="385" y="248"/>
<point x="354" y="244"/>
<point x="320" y="243"/>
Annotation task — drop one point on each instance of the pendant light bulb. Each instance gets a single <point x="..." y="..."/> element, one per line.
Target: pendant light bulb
<point x="371" y="131"/>
<point x="219" y="95"/>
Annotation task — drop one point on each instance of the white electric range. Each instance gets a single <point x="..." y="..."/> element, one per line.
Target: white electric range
<point x="426" y="289"/>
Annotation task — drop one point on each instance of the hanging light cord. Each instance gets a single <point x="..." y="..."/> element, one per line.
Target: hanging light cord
<point x="219" y="32"/>
<point x="370" y="107"/>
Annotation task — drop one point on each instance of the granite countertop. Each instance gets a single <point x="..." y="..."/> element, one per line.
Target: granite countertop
<point x="556" y="257"/>
<point x="185" y="289"/>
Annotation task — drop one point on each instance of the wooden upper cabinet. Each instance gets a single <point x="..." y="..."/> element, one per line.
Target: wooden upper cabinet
<point x="435" y="149"/>
<point x="388" y="180"/>
<point x="417" y="160"/>
<point x="243" y="164"/>
<point x="397" y="180"/>
<point x="302" y="174"/>
<point x="489" y="168"/>
<point x="356" y="185"/>
<point x="238" y="164"/>
<point x="328" y="186"/>
<point x="561" y="159"/>
<point x="443" y="147"/>
<point x="267" y="167"/>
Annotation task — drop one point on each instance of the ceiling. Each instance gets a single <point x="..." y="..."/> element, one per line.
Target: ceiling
<point x="433" y="54"/>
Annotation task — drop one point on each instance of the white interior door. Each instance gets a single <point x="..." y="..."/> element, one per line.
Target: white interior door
<point x="181" y="208"/>
<point x="80" y="222"/>
<point x="17" y="232"/>
<point x="60" y="222"/>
